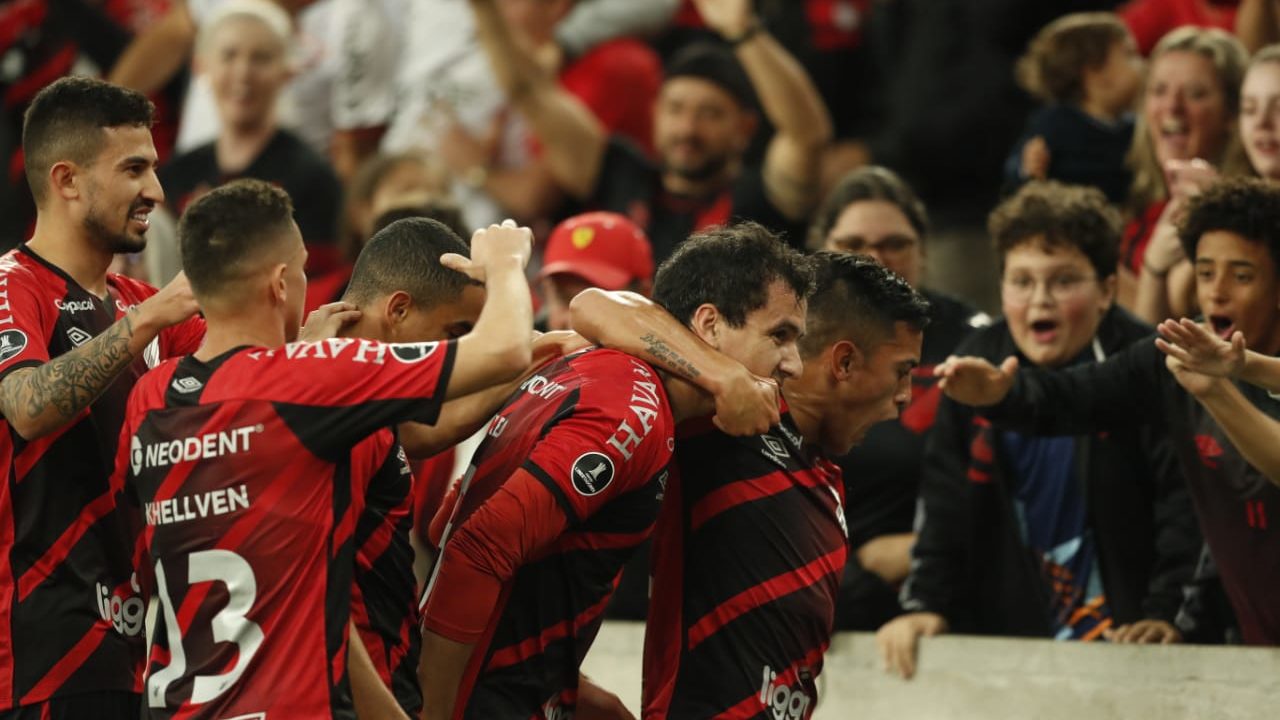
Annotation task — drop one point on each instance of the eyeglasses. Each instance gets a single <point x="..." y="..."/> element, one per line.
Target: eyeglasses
<point x="1022" y="288"/>
<point x="891" y="245"/>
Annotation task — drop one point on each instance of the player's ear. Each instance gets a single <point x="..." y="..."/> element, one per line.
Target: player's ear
<point x="845" y="359"/>
<point x="397" y="308"/>
<point x="279" y="288"/>
<point x="64" y="180"/>
<point x="706" y="324"/>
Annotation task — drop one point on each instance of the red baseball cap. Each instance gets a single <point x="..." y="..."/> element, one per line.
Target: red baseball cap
<point x="603" y="248"/>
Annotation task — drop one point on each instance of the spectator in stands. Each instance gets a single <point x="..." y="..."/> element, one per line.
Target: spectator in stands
<point x="1165" y="285"/>
<point x="1232" y="230"/>
<point x="243" y="47"/>
<point x="1086" y="69"/>
<point x="1075" y="538"/>
<point x="1189" y="112"/>
<point x="593" y="250"/>
<point x="703" y="123"/>
<point x="871" y="211"/>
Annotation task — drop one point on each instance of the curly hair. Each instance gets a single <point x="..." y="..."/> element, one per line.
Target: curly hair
<point x="1248" y="207"/>
<point x="1059" y="215"/>
<point x="1053" y="68"/>
<point x="867" y="183"/>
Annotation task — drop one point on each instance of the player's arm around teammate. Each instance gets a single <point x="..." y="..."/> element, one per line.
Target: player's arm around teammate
<point x="626" y="321"/>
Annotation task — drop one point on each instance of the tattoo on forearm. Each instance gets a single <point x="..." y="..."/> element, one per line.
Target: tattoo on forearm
<point x="68" y="383"/>
<point x="670" y="359"/>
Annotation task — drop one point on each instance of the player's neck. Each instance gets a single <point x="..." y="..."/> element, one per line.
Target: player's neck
<point x="686" y="400"/>
<point x="62" y="243"/>
<point x="256" y="328"/>
<point x="806" y="411"/>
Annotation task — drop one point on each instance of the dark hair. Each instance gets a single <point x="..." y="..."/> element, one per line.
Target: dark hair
<point x="66" y="119"/>
<point x="1248" y="207"/>
<point x="730" y="267"/>
<point x="859" y="299"/>
<point x="405" y="255"/>
<point x="1053" y="68"/>
<point x="222" y="231"/>
<point x="442" y="210"/>
<point x="1059" y="215"/>
<point x="717" y="65"/>
<point x="867" y="183"/>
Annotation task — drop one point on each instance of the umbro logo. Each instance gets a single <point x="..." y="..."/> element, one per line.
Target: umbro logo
<point x="774" y="449"/>
<point x="186" y="385"/>
<point x="78" y="336"/>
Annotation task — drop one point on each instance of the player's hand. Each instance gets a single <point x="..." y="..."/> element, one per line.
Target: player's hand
<point x="898" y="638"/>
<point x="327" y="321"/>
<point x="490" y="246"/>
<point x="730" y="18"/>
<point x="596" y="703"/>
<point x="1145" y="632"/>
<point x="1199" y="350"/>
<point x="974" y="381"/>
<point x="170" y="305"/>
<point x="1035" y="158"/>
<point x="555" y="344"/>
<point x="747" y="405"/>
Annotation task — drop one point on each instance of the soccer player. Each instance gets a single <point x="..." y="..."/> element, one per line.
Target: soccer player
<point x="751" y="543"/>
<point x="1232" y="231"/>
<point x="250" y="460"/>
<point x="567" y="483"/>
<point x="73" y="340"/>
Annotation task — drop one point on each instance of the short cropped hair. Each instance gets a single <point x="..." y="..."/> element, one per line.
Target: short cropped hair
<point x="1059" y="215"/>
<point x="66" y="121"/>
<point x="1053" y="68"/>
<point x="858" y="299"/>
<point x="405" y="256"/>
<point x="1248" y="207"/>
<point x="221" y="232"/>
<point x="868" y="183"/>
<point x="443" y="210"/>
<point x="730" y="267"/>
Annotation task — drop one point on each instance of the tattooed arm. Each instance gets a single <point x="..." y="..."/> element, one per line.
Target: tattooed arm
<point x="745" y="404"/>
<point x="37" y="401"/>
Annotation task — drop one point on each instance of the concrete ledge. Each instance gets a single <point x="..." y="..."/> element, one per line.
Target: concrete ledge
<point x="964" y="677"/>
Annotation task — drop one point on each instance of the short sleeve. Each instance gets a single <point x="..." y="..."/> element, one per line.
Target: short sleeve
<point x="24" y="328"/>
<point x="340" y="390"/>
<point x="183" y="338"/>
<point x="603" y="450"/>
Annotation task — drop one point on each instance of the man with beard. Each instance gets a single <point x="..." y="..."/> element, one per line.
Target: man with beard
<point x="703" y="123"/>
<point x="73" y="340"/>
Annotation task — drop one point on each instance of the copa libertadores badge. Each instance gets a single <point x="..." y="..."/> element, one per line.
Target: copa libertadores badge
<point x="592" y="472"/>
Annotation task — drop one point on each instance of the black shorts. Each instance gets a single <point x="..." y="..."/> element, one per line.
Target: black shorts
<point x="104" y="705"/>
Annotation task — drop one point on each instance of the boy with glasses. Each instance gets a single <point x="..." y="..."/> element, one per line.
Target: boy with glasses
<point x="1076" y="538"/>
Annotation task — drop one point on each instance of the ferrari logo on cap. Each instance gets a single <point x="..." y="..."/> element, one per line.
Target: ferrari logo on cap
<point x="582" y="237"/>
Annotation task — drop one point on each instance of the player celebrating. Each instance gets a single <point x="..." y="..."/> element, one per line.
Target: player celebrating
<point x="751" y="542"/>
<point x="250" y="462"/>
<point x="73" y="339"/>
<point x="565" y="486"/>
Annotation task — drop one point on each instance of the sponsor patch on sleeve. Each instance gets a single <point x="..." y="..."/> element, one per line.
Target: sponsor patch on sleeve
<point x="12" y="342"/>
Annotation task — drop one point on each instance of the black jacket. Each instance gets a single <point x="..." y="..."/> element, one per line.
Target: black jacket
<point x="970" y="564"/>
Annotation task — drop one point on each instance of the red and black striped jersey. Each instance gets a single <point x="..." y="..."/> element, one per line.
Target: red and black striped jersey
<point x="747" y="558"/>
<point x="248" y="473"/>
<point x="384" y="598"/>
<point x="70" y="621"/>
<point x="558" y="496"/>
